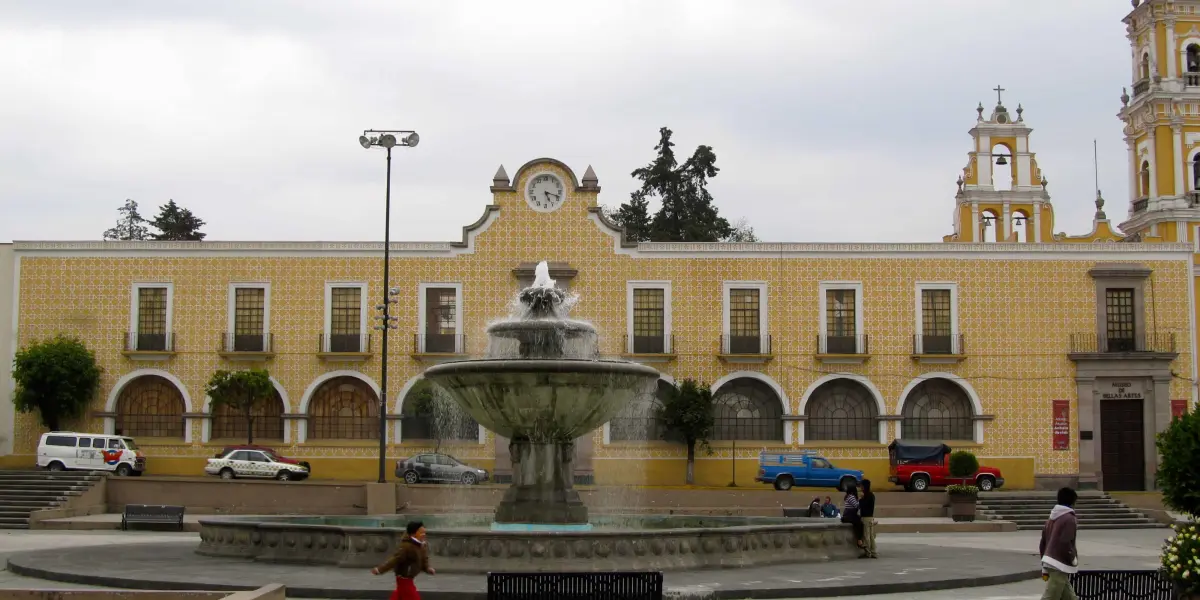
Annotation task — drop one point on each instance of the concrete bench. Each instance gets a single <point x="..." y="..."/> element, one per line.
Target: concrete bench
<point x="151" y="514"/>
<point x="633" y="585"/>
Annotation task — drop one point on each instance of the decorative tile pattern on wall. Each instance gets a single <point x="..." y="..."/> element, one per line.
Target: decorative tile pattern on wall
<point x="1016" y="317"/>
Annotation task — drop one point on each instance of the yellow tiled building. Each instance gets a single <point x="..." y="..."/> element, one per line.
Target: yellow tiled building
<point x="837" y="347"/>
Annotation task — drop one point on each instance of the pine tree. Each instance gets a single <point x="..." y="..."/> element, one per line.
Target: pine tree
<point x="634" y="218"/>
<point x="177" y="224"/>
<point x="130" y="225"/>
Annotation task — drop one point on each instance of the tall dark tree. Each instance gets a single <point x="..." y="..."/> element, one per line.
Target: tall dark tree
<point x="57" y="378"/>
<point x="687" y="413"/>
<point x="130" y="225"/>
<point x="634" y="218"/>
<point x="177" y="224"/>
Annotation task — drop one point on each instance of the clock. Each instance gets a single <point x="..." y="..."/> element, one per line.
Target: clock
<point x="545" y="192"/>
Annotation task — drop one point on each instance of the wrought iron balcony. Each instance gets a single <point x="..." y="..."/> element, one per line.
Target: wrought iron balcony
<point x="352" y="343"/>
<point x="1091" y="343"/>
<point x="439" y="343"/>
<point x="745" y="344"/>
<point x="256" y="343"/>
<point x="1141" y="87"/>
<point x="1191" y="79"/>
<point x="1140" y="205"/>
<point x="938" y="344"/>
<point x="843" y="344"/>
<point x="650" y="344"/>
<point x="149" y="342"/>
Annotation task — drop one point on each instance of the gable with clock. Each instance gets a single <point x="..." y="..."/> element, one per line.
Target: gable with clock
<point x="545" y="192"/>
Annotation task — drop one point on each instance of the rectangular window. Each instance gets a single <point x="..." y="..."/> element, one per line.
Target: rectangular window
<point x="441" y="319"/>
<point x="840" y="334"/>
<point x="1119" y="320"/>
<point x="249" y="319"/>
<point x="151" y="334"/>
<point x="345" y="319"/>
<point x="649" y="321"/>
<point x="744" y="321"/>
<point x="936" y="330"/>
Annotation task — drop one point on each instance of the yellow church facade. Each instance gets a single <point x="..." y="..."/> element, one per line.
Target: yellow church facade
<point x="1053" y="357"/>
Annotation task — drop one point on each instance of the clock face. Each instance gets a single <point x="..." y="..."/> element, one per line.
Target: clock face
<point x="545" y="192"/>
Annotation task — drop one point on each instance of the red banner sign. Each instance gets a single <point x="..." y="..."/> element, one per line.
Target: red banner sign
<point x="1062" y="424"/>
<point x="1178" y="408"/>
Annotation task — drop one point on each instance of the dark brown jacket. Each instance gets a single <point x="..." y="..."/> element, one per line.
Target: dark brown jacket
<point x="409" y="560"/>
<point x="1058" y="540"/>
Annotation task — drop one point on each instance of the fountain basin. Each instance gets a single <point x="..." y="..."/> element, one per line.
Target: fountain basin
<point x="465" y="543"/>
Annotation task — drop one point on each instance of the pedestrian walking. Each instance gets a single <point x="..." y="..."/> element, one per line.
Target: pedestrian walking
<point x="1057" y="548"/>
<point x="866" y="512"/>
<point x="409" y="560"/>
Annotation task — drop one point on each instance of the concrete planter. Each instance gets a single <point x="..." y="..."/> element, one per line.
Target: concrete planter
<point x="962" y="507"/>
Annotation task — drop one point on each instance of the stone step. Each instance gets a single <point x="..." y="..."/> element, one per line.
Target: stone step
<point x="49" y="475"/>
<point x="1006" y="502"/>
<point x="1082" y="526"/>
<point x="5" y="521"/>
<point x="46" y="498"/>
<point x="23" y="504"/>
<point x="23" y="514"/>
<point x="65" y="489"/>
<point x="1045" y="513"/>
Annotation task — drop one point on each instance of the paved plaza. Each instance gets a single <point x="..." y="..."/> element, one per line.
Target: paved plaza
<point x="908" y="559"/>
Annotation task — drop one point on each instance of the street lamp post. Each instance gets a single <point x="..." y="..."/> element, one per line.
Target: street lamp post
<point x="386" y="139"/>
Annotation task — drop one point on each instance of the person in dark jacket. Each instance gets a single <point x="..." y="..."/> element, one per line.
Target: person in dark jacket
<point x="850" y="512"/>
<point x="829" y="510"/>
<point x="1057" y="548"/>
<point x="410" y="559"/>
<point x="866" y="512"/>
<point x="814" y="509"/>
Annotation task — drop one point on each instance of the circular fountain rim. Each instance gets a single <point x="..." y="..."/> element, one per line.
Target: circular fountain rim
<point x="548" y="366"/>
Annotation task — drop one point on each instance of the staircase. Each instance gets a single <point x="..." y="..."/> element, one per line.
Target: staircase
<point x="23" y="492"/>
<point x="1029" y="510"/>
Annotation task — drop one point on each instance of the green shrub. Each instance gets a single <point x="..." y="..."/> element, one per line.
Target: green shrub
<point x="1180" y="555"/>
<point x="1179" y="470"/>
<point x="963" y="464"/>
<point x="57" y="378"/>
<point x="959" y="489"/>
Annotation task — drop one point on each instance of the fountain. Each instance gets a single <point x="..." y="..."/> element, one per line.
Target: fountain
<point x="542" y="384"/>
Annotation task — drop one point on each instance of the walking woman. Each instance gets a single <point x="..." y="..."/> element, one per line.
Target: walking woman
<point x="850" y="513"/>
<point x="411" y="559"/>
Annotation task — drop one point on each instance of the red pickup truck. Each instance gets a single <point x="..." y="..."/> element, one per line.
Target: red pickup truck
<point x="919" y="466"/>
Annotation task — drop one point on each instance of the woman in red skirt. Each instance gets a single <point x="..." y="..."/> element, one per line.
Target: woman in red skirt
<point x="409" y="560"/>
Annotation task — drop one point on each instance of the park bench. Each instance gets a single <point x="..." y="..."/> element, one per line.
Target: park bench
<point x="150" y="514"/>
<point x="632" y="585"/>
<point x="1122" y="585"/>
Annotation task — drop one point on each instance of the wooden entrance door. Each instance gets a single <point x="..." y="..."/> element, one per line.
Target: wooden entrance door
<point x="1122" y="450"/>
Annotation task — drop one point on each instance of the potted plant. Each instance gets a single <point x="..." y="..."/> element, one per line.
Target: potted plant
<point x="1179" y="479"/>
<point x="963" y="465"/>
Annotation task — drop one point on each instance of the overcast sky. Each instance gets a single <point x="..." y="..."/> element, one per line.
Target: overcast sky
<point x="832" y="121"/>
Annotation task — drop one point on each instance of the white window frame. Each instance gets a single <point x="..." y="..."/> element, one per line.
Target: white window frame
<point x="822" y="303"/>
<point x="665" y="286"/>
<point x="364" y="312"/>
<point x="919" y="323"/>
<point x="134" y="308"/>
<point x="1196" y="238"/>
<point x="232" y="311"/>
<point x="763" y="321"/>
<point x="458" y="313"/>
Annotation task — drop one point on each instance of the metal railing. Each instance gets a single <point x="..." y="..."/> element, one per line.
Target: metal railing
<point x="938" y="344"/>
<point x="745" y="344"/>
<point x="149" y="342"/>
<point x="1140" y="205"/>
<point x="650" y="344"/>
<point x="639" y="585"/>
<point x="843" y="344"/>
<point x="347" y="343"/>
<point x="1090" y="343"/>
<point x="259" y="342"/>
<point x="1141" y="87"/>
<point x="439" y="343"/>
<point x="841" y="429"/>
<point x="1191" y="79"/>
<point x="1122" y="585"/>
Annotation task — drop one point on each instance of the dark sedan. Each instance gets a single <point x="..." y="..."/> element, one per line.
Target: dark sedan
<point x="438" y="468"/>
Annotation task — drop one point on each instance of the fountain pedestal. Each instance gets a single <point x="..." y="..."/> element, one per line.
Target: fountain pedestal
<point x="543" y="486"/>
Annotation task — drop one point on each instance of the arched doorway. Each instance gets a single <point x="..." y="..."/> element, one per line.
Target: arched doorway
<point x="841" y="409"/>
<point x="150" y="406"/>
<point x="937" y="410"/>
<point x="343" y="408"/>
<point x="747" y="409"/>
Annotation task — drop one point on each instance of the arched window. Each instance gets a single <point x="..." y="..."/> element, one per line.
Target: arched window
<point x="1020" y="224"/>
<point x="344" y="408"/>
<point x="638" y="421"/>
<point x="937" y="410"/>
<point x="1004" y="169"/>
<point x="230" y="423"/>
<point x="1145" y="74"/>
<point x="1192" y="60"/>
<point x="747" y="409"/>
<point x="1196" y="173"/>
<point x="428" y="415"/>
<point x="1145" y="177"/>
<point x="841" y="409"/>
<point x="988" y="223"/>
<point x="150" y="406"/>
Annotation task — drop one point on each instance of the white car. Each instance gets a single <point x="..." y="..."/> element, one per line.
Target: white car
<point x="235" y="462"/>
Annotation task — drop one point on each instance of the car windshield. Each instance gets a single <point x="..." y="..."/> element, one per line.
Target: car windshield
<point x="129" y="443"/>
<point x="451" y="460"/>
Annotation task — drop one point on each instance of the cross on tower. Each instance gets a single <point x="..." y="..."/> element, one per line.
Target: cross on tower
<point x="999" y="90"/>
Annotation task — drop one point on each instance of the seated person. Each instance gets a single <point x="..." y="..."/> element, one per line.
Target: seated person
<point x="829" y="510"/>
<point x="814" y="509"/>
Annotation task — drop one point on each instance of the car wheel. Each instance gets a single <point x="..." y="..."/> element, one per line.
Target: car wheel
<point x="784" y="483"/>
<point x="468" y="478"/>
<point x="284" y="475"/>
<point x="227" y="473"/>
<point x="986" y="484"/>
<point x="845" y="483"/>
<point x="56" y="467"/>
<point x="123" y="470"/>
<point x="920" y="483"/>
<point x="411" y="477"/>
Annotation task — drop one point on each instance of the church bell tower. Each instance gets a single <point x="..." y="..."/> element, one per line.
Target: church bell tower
<point x="1002" y="194"/>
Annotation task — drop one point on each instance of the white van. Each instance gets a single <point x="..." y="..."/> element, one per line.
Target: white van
<point x="65" y="450"/>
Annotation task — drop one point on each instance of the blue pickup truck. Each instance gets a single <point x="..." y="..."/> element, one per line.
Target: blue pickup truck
<point x="804" y="469"/>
